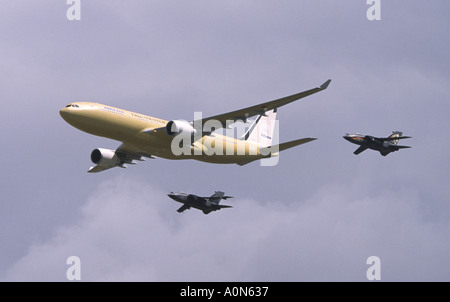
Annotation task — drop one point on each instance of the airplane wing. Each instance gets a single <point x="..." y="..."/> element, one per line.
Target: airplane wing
<point x="244" y="114"/>
<point x="125" y="154"/>
<point x="359" y="150"/>
<point x="183" y="208"/>
<point x="98" y="168"/>
<point x="260" y="109"/>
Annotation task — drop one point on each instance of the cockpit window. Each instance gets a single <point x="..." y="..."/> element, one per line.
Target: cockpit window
<point x="72" y="105"/>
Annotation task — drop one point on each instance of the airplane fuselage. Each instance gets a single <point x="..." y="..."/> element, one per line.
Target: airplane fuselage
<point x="370" y="142"/>
<point x="133" y="129"/>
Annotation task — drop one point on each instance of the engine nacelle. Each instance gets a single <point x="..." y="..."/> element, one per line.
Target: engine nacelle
<point x="105" y="157"/>
<point x="178" y="126"/>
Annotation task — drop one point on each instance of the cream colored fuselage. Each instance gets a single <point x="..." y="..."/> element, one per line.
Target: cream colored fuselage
<point x="136" y="131"/>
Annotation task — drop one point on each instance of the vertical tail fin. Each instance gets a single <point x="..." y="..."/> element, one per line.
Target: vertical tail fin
<point x="261" y="130"/>
<point x="395" y="134"/>
<point x="216" y="197"/>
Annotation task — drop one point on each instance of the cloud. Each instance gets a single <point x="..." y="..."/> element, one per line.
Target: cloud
<point x="130" y="231"/>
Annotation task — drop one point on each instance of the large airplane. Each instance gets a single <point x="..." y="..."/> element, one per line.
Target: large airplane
<point x="206" y="204"/>
<point x="145" y="136"/>
<point x="385" y="145"/>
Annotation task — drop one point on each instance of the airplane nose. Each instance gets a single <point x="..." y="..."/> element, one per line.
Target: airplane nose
<point x="64" y="112"/>
<point x="171" y="196"/>
<point x="69" y="113"/>
<point x="347" y="137"/>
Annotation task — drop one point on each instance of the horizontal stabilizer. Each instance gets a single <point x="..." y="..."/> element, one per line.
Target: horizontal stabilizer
<point x="394" y="138"/>
<point x="287" y="145"/>
<point x="403" y="147"/>
<point x="222" y="206"/>
<point x="273" y="150"/>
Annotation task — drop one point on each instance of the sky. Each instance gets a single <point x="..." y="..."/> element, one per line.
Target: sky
<point x="317" y="215"/>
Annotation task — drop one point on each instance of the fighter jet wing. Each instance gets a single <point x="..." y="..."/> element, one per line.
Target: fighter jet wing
<point x="183" y="208"/>
<point x="359" y="150"/>
<point x="260" y="109"/>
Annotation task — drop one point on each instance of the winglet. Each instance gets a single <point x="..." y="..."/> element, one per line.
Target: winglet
<point x="325" y="85"/>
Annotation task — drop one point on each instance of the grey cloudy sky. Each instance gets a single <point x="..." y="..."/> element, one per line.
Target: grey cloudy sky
<point x="316" y="216"/>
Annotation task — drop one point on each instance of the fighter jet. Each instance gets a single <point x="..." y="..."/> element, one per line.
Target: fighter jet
<point x="206" y="204"/>
<point x="384" y="145"/>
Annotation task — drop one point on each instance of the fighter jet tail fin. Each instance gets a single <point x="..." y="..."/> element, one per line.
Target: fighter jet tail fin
<point x="395" y="137"/>
<point x="218" y="194"/>
<point x="262" y="129"/>
<point x="217" y="197"/>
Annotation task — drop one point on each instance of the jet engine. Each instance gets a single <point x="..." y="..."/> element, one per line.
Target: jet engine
<point x="178" y="126"/>
<point x="105" y="157"/>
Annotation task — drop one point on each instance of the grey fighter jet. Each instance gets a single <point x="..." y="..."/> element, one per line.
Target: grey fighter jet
<point x="384" y="145"/>
<point x="206" y="204"/>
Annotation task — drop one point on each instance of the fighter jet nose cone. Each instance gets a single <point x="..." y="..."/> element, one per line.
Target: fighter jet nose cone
<point x="347" y="138"/>
<point x="171" y="195"/>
